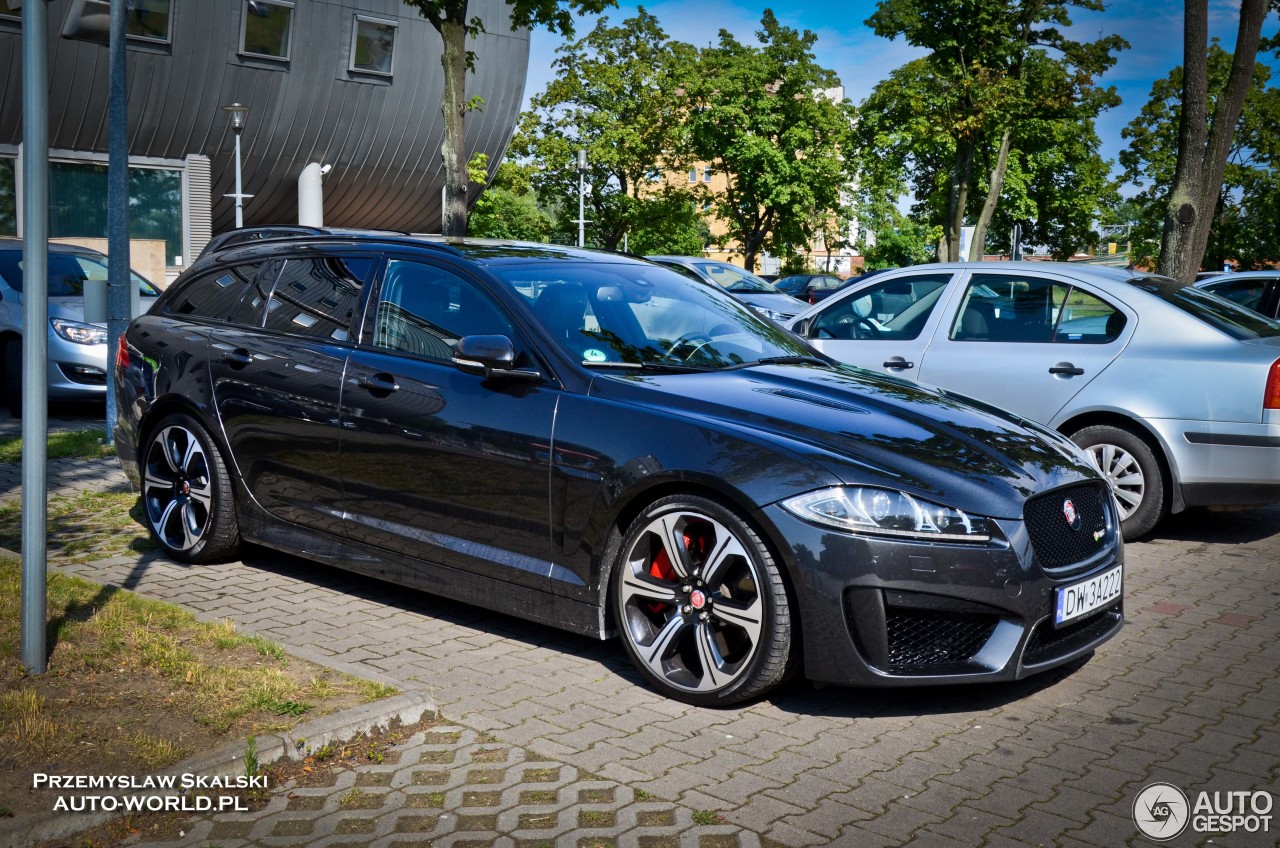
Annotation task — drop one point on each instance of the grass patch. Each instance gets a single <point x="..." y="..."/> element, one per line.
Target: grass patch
<point x="136" y="684"/>
<point x="84" y="527"/>
<point x="81" y="444"/>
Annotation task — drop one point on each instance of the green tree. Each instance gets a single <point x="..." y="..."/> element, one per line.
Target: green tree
<point x="508" y="208"/>
<point x="1243" y="219"/>
<point x="983" y="63"/>
<point x="1205" y="138"/>
<point x="614" y="95"/>
<point x="762" y="117"/>
<point x="452" y="19"/>
<point x="898" y="241"/>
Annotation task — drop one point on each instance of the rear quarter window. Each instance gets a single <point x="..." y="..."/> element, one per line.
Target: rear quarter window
<point x="216" y="295"/>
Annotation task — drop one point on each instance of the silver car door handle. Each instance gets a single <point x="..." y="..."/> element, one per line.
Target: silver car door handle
<point x="898" y="363"/>
<point x="379" y="383"/>
<point x="1066" y="368"/>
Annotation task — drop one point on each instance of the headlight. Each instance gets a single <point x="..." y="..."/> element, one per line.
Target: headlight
<point x="72" y="331"/>
<point x="771" y="314"/>
<point x="883" y="512"/>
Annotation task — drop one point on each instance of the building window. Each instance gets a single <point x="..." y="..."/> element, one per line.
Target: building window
<point x="78" y="204"/>
<point x="372" y="45"/>
<point x="8" y="198"/>
<point x="145" y="20"/>
<point x="268" y="28"/>
<point x="693" y="175"/>
<point x="706" y="173"/>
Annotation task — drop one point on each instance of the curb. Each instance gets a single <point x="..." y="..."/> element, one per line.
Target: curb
<point x="228" y="761"/>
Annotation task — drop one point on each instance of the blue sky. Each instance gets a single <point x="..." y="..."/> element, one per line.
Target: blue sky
<point x="861" y="59"/>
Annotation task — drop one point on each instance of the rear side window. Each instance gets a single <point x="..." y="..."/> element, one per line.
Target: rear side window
<point x="1010" y="308"/>
<point x="1248" y="293"/>
<point x="216" y="295"/>
<point x="317" y="296"/>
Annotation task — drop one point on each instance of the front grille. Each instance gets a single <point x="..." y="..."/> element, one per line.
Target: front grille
<point x="1056" y="545"/>
<point x="1049" y="643"/>
<point x="920" y="640"/>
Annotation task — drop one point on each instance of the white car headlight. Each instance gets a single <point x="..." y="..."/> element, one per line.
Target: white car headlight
<point x="73" y="331"/>
<point x="771" y="314"/>
<point x="884" y="512"/>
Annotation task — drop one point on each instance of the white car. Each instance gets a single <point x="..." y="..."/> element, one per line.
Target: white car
<point x="1174" y="392"/>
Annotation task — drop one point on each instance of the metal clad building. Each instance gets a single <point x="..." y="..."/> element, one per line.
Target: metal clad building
<point x="355" y="84"/>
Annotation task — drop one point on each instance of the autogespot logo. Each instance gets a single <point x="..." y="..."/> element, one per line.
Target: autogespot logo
<point x="1161" y="812"/>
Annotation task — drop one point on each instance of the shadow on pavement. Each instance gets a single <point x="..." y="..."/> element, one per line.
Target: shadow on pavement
<point x="1202" y="525"/>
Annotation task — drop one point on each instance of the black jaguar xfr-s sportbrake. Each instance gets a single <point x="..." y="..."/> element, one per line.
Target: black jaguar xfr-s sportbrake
<point x="594" y="442"/>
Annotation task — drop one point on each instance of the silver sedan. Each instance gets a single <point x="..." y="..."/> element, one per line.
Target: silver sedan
<point x="1173" y="391"/>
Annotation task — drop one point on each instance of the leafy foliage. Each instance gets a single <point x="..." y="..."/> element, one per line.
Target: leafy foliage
<point x="509" y="209"/>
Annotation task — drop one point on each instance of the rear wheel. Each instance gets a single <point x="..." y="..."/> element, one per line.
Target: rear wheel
<point x="700" y="603"/>
<point x="187" y="494"/>
<point x="1139" y="481"/>
<point x="13" y="376"/>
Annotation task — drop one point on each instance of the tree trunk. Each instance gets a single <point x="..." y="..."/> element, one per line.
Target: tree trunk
<point x="1203" y="147"/>
<point x="453" y="223"/>
<point x="957" y="199"/>
<point x="978" y="248"/>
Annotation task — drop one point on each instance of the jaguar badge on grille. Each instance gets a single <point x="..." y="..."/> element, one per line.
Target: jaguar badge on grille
<point x="1069" y="512"/>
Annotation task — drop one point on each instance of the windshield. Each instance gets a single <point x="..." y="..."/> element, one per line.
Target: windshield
<point x="627" y="315"/>
<point x="733" y="278"/>
<point x="67" y="273"/>
<point x="1213" y="309"/>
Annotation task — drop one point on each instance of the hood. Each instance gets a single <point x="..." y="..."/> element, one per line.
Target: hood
<point x="72" y="308"/>
<point x="783" y="303"/>
<point x="868" y="429"/>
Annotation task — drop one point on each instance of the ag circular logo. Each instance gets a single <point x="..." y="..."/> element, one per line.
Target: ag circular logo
<point x="1069" y="513"/>
<point x="1161" y="811"/>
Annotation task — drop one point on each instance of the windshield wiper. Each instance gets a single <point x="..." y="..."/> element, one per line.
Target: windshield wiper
<point x="780" y="360"/>
<point x="672" y="367"/>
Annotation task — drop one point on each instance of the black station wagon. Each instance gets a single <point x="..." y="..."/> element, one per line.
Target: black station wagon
<point x="593" y="442"/>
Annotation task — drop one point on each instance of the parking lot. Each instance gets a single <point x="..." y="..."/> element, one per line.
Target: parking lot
<point x="1188" y="694"/>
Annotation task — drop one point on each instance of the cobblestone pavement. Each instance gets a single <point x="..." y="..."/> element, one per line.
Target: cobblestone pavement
<point x="1187" y="694"/>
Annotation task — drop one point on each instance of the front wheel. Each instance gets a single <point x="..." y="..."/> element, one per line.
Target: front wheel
<point x="701" y="604"/>
<point x="1130" y="465"/>
<point x="186" y="492"/>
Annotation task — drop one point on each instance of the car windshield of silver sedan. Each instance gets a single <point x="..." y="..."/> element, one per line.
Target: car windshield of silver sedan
<point x="1213" y="309"/>
<point x="628" y="316"/>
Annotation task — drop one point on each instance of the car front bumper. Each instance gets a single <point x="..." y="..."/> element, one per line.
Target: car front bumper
<point x="76" y="371"/>
<point x="886" y="612"/>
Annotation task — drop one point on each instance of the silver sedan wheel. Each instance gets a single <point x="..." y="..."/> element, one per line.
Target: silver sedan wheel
<point x="1123" y="472"/>
<point x="177" y="488"/>
<point x="690" y="597"/>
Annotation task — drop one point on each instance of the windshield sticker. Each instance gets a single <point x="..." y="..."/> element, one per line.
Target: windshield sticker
<point x="593" y="355"/>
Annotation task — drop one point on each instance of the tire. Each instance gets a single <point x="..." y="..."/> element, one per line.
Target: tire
<point x="700" y="603"/>
<point x="13" y="376"/>
<point x="187" y="494"/>
<point x="1141" y="485"/>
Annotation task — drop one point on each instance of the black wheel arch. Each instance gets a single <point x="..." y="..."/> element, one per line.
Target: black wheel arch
<point x="1141" y="430"/>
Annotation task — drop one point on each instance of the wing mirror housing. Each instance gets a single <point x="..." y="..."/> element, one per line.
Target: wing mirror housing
<point x="490" y="357"/>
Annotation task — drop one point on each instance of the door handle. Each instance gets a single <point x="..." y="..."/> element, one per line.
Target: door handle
<point x="379" y="383"/>
<point x="238" y="358"/>
<point x="1066" y="368"/>
<point x="897" y="363"/>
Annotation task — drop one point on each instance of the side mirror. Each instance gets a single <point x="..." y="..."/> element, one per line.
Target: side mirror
<point x="489" y="356"/>
<point x="802" y="329"/>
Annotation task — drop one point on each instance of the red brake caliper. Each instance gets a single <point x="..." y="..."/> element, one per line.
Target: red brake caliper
<point x="662" y="569"/>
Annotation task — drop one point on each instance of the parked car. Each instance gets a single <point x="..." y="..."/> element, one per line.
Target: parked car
<point x="594" y="442"/>
<point x="1256" y="290"/>
<point x="1175" y="392"/>
<point x="77" y="350"/>
<point x="804" y="286"/>
<point x="747" y="287"/>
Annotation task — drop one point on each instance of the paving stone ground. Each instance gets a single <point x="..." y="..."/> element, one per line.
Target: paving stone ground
<point x="1187" y="694"/>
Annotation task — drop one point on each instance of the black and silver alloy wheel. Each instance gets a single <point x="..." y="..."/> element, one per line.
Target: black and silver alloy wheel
<point x="700" y="603"/>
<point x="186" y="492"/>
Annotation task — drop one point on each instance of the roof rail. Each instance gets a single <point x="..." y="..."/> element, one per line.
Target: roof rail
<point x="248" y="234"/>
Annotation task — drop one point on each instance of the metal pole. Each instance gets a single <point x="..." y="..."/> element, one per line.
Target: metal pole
<point x="239" y="191"/>
<point x="119" y="302"/>
<point x="582" y="217"/>
<point x="35" y="315"/>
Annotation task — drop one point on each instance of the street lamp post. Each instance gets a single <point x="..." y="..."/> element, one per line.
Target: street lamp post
<point x="238" y="114"/>
<point x="582" y="190"/>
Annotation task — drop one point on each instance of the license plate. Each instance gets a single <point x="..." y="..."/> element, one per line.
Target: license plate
<point x="1080" y="599"/>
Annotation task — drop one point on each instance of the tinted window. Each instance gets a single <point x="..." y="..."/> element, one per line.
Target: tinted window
<point x="1217" y="312"/>
<point x="1247" y="293"/>
<point x="317" y="297"/>
<point x="895" y="309"/>
<point x="424" y="310"/>
<point x="67" y="273"/>
<point x="214" y="295"/>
